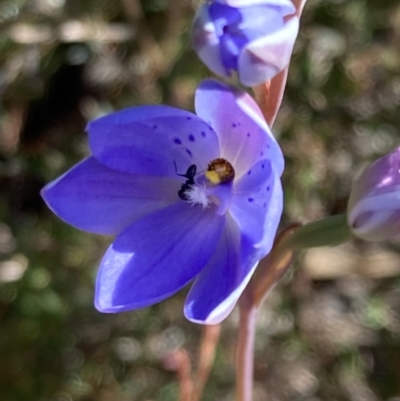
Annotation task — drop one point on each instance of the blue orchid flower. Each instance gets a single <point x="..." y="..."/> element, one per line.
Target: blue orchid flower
<point x="188" y="197"/>
<point x="254" y="38"/>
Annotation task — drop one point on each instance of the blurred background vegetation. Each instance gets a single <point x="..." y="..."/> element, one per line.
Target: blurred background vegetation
<point x="330" y="330"/>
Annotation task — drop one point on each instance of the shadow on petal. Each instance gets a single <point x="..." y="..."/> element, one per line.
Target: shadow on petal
<point x="218" y="287"/>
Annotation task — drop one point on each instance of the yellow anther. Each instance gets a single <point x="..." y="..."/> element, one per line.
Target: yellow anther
<point x="220" y="171"/>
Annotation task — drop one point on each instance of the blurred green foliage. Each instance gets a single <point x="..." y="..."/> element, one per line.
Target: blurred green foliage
<point x="330" y="331"/>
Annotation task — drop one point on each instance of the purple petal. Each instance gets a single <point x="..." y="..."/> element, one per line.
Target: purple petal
<point x="236" y="27"/>
<point x="259" y="20"/>
<point x="219" y="286"/>
<point x="286" y="6"/>
<point x="205" y="41"/>
<point x="257" y="205"/>
<point x="244" y="136"/>
<point x="94" y="198"/>
<point x="373" y="208"/>
<point x="263" y="58"/>
<point x="156" y="256"/>
<point x="198" y="141"/>
<point x="380" y="177"/>
<point x="138" y="114"/>
<point x="148" y="140"/>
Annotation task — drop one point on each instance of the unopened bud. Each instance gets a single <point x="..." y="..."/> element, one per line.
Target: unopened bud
<point x="374" y="205"/>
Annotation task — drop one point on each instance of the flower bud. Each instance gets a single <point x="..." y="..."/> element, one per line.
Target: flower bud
<point x="374" y="205"/>
<point x="251" y="37"/>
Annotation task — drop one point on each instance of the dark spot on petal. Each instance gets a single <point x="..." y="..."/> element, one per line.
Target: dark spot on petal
<point x="203" y="133"/>
<point x="189" y="152"/>
<point x="262" y="166"/>
<point x="191" y="138"/>
<point x="177" y="141"/>
<point x="248" y="134"/>
<point x="249" y="172"/>
<point x="268" y="188"/>
<point x="210" y="128"/>
<point x="188" y="118"/>
<point x="251" y="199"/>
<point x="262" y="153"/>
<point x="268" y="146"/>
<point x="233" y="125"/>
<point x="264" y="205"/>
<point x="155" y="126"/>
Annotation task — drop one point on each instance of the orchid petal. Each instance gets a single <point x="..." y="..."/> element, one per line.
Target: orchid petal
<point x="218" y="287"/>
<point x="286" y="6"/>
<point x="257" y="205"/>
<point x="243" y="134"/>
<point x="262" y="59"/>
<point x="94" y="198"/>
<point x="259" y="20"/>
<point x="132" y="115"/>
<point x="373" y="208"/>
<point x="205" y="41"/>
<point x="377" y="217"/>
<point x="380" y="177"/>
<point x="156" y="256"/>
<point x="152" y="141"/>
<point x="198" y="143"/>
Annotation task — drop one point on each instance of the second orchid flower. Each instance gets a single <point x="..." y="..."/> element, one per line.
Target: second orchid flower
<point x="254" y="38"/>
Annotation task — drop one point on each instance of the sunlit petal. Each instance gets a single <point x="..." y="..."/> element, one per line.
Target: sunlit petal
<point x="243" y="134"/>
<point x="94" y="198"/>
<point x="156" y="256"/>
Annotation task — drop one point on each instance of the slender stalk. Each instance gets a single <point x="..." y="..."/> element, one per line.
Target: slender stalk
<point x="268" y="273"/>
<point x="273" y="267"/>
<point x="184" y="377"/>
<point x="191" y="386"/>
<point x="245" y="349"/>
<point x="179" y="362"/>
<point x="208" y="346"/>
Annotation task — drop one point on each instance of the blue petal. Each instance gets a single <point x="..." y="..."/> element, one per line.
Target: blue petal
<point x="248" y="23"/>
<point x="286" y="7"/>
<point x="229" y="51"/>
<point x="244" y="136"/>
<point x="156" y="256"/>
<point x="257" y="204"/>
<point x="219" y="286"/>
<point x="150" y="140"/>
<point x="261" y="59"/>
<point x="94" y="198"/>
<point x="258" y="21"/>
<point x="206" y="41"/>
<point x="197" y="140"/>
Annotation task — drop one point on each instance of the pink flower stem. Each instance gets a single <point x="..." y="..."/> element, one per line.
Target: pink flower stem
<point x="245" y="349"/>
<point x="269" y="271"/>
<point x="208" y="346"/>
